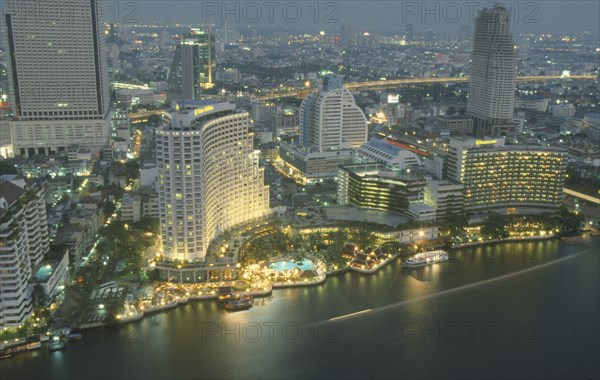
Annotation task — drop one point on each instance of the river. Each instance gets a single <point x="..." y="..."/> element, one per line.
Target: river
<point x="520" y="310"/>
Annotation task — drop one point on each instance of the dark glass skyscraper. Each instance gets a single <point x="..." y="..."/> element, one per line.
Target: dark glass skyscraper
<point x="194" y="65"/>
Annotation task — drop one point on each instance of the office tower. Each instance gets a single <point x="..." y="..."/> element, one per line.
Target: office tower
<point x="493" y="73"/>
<point x="379" y="187"/>
<point x="208" y="177"/>
<point x="330" y="119"/>
<point x="23" y="243"/>
<point x="194" y="66"/>
<point x="509" y="177"/>
<point x="58" y="75"/>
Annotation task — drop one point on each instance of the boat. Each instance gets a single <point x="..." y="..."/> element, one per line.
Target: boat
<point x="239" y="303"/>
<point x="57" y="343"/>
<point x="74" y="334"/>
<point x="224" y="297"/>
<point x="6" y="353"/>
<point x="426" y="258"/>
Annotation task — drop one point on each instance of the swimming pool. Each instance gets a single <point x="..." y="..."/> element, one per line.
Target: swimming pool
<point x="44" y="273"/>
<point x="306" y="264"/>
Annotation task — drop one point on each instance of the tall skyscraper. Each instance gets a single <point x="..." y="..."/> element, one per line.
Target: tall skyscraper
<point x="208" y="177"/>
<point x="493" y="73"/>
<point x="58" y="75"/>
<point x="194" y="66"/>
<point x="330" y="119"/>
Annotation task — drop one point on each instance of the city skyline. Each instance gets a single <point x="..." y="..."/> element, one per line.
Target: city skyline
<point x="344" y="190"/>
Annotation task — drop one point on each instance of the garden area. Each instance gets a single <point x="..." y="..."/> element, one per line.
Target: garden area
<point x="325" y="247"/>
<point x="498" y="227"/>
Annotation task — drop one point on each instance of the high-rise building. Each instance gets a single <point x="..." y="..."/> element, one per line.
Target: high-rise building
<point x="330" y="119"/>
<point x="209" y="179"/>
<point x="509" y="177"/>
<point x="58" y="75"/>
<point x="194" y="66"/>
<point x="493" y="73"/>
<point x="23" y="243"/>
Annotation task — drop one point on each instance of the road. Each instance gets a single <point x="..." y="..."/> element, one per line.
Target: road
<point x="411" y="81"/>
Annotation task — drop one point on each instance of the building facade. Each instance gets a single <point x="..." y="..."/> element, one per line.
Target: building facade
<point x="454" y="125"/>
<point x="446" y="197"/>
<point x="330" y="119"/>
<point x="58" y="76"/>
<point x="23" y="244"/>
<point x="379" y="187"/>
<point x="493" y="73"/>
<point x="507" y="177"/>
<point x="209" y="179"/>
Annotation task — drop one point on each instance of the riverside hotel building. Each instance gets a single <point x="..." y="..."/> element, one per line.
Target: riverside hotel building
<point x="509" y="177"/>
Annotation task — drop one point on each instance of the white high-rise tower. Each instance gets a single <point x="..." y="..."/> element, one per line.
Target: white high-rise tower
<point x="330" y="119"/>
<point x="58" y="75"/>
<point x="208" y="177"/>
<point x="493" y="73"/>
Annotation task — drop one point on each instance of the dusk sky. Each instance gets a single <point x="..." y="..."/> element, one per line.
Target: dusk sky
<point x="528" y="16"/>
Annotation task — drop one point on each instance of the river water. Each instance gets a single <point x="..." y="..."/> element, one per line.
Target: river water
<point x="520" y="310"/>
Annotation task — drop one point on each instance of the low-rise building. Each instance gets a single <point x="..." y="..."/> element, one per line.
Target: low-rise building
<point x="445" y="196"/>
<point x="379" y="150"/>
<point x="131" y="207"/>
<point x="312" y="165"/>
<point x="454" y="125"/>
<point x="50" y="275"/>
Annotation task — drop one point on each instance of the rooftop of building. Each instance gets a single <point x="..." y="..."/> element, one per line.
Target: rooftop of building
<point x="190" y="113"/>
<point x="525" y="148"/>
<point x="381" y="170"/>
<point x="386" y="147"/>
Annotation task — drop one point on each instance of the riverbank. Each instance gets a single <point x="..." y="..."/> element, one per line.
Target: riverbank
<point x="143" y="311"/>
<point x="507" y="240"/>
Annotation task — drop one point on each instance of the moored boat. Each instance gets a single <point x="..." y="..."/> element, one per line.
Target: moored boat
<point x="57" y="343"/>
<point x="426" y="258"/>
<point x="239" y="303"/>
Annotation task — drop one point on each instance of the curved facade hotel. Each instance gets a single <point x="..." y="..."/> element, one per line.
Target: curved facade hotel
<point x="513" y="176"/>
<point x="209" y="178"/>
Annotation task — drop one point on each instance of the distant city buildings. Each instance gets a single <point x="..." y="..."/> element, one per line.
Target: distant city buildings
<point x="493" y="73"/>
<point x="58" y="77"/>
<point x="208" y="177"/>
<point x="512" y="178"/>
<point x="194" y="66"/>
<point x="454" y="125"/>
